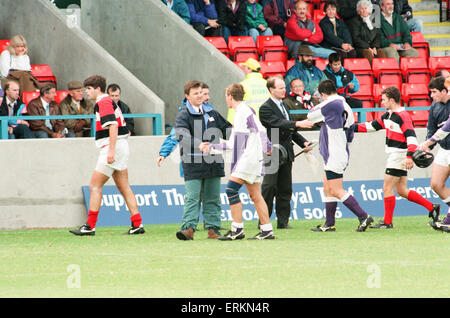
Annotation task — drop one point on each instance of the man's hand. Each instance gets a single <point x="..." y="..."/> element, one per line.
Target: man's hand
<point x="79" y="125"/>
<point x="213" y="23"/>
<point x="207" y="2"/>
<point x="262" y="27"/>
<point x="111" y="156"/>
<point x="406" y="46"/>
<point x="409" y="164"/>
<point x="10" y="130"/>
<point x="204" y="147"/>
<point x="57" y="135"/>
<point x="304" y="123"/>
<point x="425" y="146"/>
<point x="160" y="160"/>
<point x="351" y="86"/>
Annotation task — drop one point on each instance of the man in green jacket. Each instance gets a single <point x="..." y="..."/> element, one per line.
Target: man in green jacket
<point x="396" y="39"/>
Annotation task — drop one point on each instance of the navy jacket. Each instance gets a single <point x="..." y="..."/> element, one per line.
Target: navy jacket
<point x="437" y="117"/>
<point x="329" y="39"/>
<point x="191" y="129"/>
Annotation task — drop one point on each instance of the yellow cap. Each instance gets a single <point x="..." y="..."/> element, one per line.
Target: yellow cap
<point x="252" y="64"/>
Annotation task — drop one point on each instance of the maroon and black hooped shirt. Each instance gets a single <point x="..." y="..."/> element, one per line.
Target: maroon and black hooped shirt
<point x="108" y="113"/>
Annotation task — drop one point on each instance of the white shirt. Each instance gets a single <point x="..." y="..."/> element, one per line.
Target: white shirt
<point x="367" y="21"/>
<point x="170" y="4"/>
<point x="388" y="19"/>
<point x="8" y="61"/>
<point x="10" y="106"/>
<point x="47" y="113"/>
<point x="280" y="107"/>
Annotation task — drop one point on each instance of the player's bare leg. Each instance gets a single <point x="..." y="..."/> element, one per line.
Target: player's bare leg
<point x="121" y="180"/>
<point x="439" y="175"/>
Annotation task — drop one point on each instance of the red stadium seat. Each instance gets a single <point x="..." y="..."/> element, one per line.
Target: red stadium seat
<point x="318" y="15"/>
<point x="272" y="48"/>
<point x="60" y="95"/>
<point x="419" y="43"/>
<point x="3" y="45"/>
<point x="220" y="44"/>
<point x="378" y="88"/>
<point x="272" y="68"/>
<point x="28" y="96"/>
<point x="387" y="70"/>
<point x="43" y="73"/>
<point x="438" y="63"/>
<point x="321" y="64"/>
<point x="365" y="95"/>
<point x="419" y="117"/>
<point x="244" y="46"/>
<point x="362" y="70"/>
<point x="289" y="64"/>
<point x="415" y="94"/>
<point x="415" y="70"/>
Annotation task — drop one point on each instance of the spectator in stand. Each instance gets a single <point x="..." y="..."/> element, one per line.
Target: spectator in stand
<point x="396" y="38"/>
<point x="303" y="31"/>
<point x="366" y="37"/>
<point x="12" y="105"/>
<point x="403" y="8"/>
<point x="255" y="21"/>
<point x="179" y="7"/>
<point x="45" y="105"/>
<point x="277" y="13"/>
<point x="15" y="65"/>
<point x="443" y="73"/>
<point x="204" y="17"/>
<point x="75" y="104"/>
<point x="113" y="91"/>
<point x="305" y="70"/>
<point x="255" y="87"/>
<point x="344" y="80"/>
<point x="231" y="15"/>
<point x="299" y="99"/>
<point x="336" y="35"/>
<point x="347" y="9"/>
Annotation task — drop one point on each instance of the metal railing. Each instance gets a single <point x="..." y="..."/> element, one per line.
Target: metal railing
<point x="363" y="111"/>
<point x="157" y="121"/>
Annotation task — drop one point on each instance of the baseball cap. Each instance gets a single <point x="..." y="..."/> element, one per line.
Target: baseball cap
<point x="252" y="64"/>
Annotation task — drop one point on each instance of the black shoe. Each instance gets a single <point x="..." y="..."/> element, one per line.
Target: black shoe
<point x="85" y="229"/>
<point x="440" y="226"/>
<point x="263" y="236"/>
<point x="284" y="227"/>
<point x="320" y="228"/>
<point x="364" y="223"/>
<point x="136" y="230"/>
<point x="434" y="214"/>
<point x="434" y="225"/>
<point x="231" y="236"/>
<point x="382" y="225"/>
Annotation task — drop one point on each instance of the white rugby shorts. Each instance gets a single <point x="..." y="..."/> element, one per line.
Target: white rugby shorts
<point x="120" y="158"/>
<point x="396" y="160"/>
<point x="442" y="157"/>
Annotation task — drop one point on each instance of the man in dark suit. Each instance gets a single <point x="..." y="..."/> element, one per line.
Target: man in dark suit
<point x="275" y="117"/>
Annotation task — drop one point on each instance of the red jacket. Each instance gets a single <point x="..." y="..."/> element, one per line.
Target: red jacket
<point x="296" y="33"/>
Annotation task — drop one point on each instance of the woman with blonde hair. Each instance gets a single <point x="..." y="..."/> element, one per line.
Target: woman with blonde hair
<point x="15" y="64"/>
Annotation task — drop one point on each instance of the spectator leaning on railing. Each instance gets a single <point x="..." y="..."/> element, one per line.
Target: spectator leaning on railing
<point x="45" y="105"/>
<point x="12" y="105"/>
<point x="76" y="104"/>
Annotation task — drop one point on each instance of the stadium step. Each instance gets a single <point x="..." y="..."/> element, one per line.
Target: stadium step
<point x="436" y="33"/>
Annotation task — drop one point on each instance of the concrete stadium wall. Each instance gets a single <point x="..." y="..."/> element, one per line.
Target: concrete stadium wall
<point x="72" y="54"/>
<point x="42" y="179"/>
<point x="159" y="48"/>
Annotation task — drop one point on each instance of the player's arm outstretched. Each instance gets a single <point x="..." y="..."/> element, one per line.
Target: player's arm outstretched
<point x="370" y="126"/>
<point x="440" y="134"/>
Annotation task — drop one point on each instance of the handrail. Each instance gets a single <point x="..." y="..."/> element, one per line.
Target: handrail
<point x="364" y="111"/>
<point x="157" y="121"/>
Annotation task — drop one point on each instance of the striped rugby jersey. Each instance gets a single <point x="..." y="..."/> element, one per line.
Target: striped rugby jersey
<point x="108" y="113"/>
<point x="400" y="134"/>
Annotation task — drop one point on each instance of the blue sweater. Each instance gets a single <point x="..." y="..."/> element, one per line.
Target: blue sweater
<point x="438" y="115"/>
<point x="201" y="13"/>
<point x="180" y="7"/>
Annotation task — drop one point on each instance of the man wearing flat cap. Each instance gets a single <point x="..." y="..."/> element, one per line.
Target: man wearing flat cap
<point x="76" y="104"/>
<point x="255" y="87"/>
<point x="305" y="70"/>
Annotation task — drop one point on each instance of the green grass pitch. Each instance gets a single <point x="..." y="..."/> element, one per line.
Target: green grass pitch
<point x="410" y="260"/>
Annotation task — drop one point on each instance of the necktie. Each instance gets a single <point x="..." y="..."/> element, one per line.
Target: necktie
<point x="284" y="110"/>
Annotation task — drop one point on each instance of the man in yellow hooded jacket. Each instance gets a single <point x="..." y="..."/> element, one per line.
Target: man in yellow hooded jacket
<point x="255" y="87"/>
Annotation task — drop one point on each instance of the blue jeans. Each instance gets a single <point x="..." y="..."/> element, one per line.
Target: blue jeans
<point x="228" y="31"/>
<point x="415" y="25"/>
<point x="255" y="32"/>
<point x="321" y="51"/>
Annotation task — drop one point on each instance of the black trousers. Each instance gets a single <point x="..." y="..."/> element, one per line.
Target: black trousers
<point x="204" y="31"/>
<point x="279" y="186"/>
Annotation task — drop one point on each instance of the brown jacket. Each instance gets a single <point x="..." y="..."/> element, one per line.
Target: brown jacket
<point x="68" y="107"/>
<point x="35" y="108"/>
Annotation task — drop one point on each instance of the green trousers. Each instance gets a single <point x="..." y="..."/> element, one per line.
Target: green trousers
<point x="205" y="193"/>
